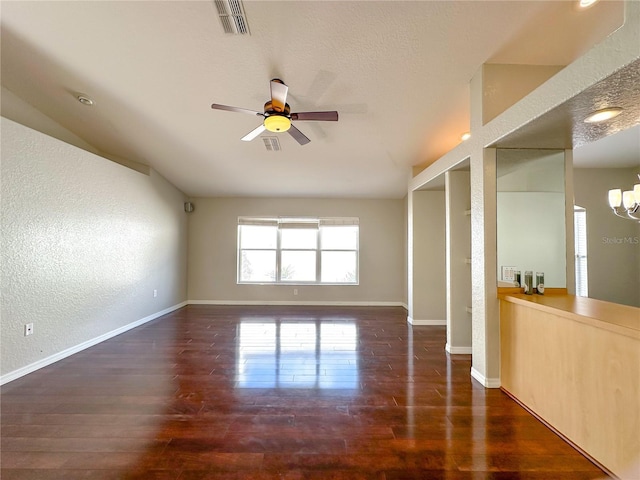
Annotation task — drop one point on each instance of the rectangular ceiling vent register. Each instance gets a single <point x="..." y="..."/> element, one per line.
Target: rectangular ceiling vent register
<point x="271" y="143"/>
<point x="232" y="17"/>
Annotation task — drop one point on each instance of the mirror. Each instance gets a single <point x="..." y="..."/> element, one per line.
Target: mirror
<point x="531" y="224"/>
<point x="612" y="245"/>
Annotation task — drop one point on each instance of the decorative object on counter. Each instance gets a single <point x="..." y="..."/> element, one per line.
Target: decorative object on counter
<point x="540" y="283"/>
<point x="528" y="282"/>
<point x="629" y="200"/>
<point x="516" y="280"/>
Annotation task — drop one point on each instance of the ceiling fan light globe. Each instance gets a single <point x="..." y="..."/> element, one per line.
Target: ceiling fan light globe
<point x="277" y="123"/>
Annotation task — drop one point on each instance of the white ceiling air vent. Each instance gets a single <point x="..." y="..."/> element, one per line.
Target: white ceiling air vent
<point x="232" y="17"/>
<point x="271" y="143"/>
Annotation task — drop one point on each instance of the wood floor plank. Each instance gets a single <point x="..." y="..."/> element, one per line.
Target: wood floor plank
<point x="262" y="393"/>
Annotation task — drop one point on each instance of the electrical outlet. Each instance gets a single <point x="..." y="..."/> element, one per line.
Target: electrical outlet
<point x="28" y="329"/>
<point x="155" y="293"/>
<point x="295" y="291"/>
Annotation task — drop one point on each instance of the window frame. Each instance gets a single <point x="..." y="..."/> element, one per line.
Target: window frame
<point x="281" y="249"/>
<point x="255" y="222"/>
<point x="581" y="265"/>
<point x="284" y="223"/>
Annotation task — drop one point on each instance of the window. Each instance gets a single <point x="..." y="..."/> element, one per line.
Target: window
<point x="580" y="231"/>
<point x="298" y="250"/>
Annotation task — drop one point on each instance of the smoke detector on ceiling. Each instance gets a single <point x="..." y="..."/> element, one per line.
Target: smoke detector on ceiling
<point x="232" y="17"/>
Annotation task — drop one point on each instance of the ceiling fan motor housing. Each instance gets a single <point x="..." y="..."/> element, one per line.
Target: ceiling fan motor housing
<point x="269" y="109"/>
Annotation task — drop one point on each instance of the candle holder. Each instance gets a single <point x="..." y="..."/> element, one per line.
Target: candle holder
<point x="540" y="283"/>
<point x="528" y="282"/>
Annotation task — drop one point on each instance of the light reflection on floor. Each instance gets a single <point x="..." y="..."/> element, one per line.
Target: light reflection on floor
<point x="297" y="353"/>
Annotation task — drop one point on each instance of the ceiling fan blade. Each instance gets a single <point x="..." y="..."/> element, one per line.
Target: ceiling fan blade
<point x="278" y="94"/>
<point x="298" y="135"/>
<point x="318" y="116"/>
<point x="215" y="106"/>
<point x="253" y="133"/>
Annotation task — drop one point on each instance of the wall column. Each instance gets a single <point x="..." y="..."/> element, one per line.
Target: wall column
<point x="484" y="301"/>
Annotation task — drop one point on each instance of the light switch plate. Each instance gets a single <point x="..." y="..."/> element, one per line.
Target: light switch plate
<point x="509" y="274"/>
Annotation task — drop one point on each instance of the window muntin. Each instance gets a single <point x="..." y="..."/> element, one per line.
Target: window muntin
<point x="298" y="251"/>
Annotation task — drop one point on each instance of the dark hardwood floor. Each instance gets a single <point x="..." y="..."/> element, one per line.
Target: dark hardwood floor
<point x="221" y="392"/>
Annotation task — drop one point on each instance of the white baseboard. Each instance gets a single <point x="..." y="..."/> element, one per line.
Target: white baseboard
<point x="418" y="323"/>
<point x="295" y="302"/>
<point x="21" y="372"/>
<point x="458" y="350"/>
<point x="487" y="382"/>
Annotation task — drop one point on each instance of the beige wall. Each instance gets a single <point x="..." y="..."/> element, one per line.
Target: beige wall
<point x="16" y="109"/>
<point x="532" y="181"/>
<point x="213" y="251"/>
<point x="429" y="272"/>
<point x="405" y="242"/>
<point x="506" y="84"/>
<point x="85" y="242"/>
<point x="613" y="244"/>
<point x="458" y="265"/>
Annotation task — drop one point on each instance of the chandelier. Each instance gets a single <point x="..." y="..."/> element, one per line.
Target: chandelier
<point x="626" y="204"/>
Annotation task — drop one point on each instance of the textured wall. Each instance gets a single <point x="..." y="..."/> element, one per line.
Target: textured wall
<point x="213" y="243"/>
<point x="84" y="244"/>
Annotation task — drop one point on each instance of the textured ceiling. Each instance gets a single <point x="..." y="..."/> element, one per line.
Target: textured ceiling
<point x="397" y="72"/>
<point x="613" y="144"/>
<point x="564" y="126"/>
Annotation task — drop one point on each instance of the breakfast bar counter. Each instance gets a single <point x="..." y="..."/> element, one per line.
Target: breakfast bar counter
<point x="575" y="363"/>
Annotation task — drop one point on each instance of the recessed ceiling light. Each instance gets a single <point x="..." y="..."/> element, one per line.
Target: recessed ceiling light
<point x="586" y="3"/>
<point x="83" y="99"/>
<point x="465" y="136"/>
<point x="603" y="115"/>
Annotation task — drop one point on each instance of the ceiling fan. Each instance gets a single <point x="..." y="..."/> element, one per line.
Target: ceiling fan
<point x="277" y="116"/>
